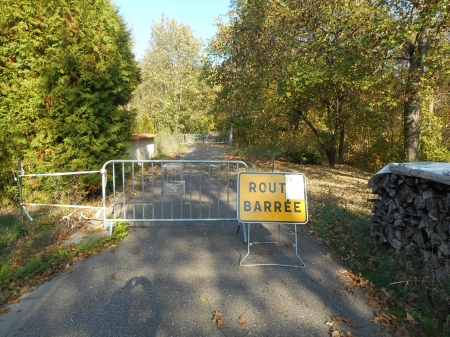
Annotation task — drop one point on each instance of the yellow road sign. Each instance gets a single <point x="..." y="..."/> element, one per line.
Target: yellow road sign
<point x="272" y="197"/>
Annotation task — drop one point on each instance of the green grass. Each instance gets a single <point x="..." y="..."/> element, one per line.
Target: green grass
<point x="13" y="278"/>
<point x="19" y="240"/>
<point x="10" y="230"/>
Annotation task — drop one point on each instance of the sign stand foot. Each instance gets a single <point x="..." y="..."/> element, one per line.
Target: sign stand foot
<point x="301" y="264"/>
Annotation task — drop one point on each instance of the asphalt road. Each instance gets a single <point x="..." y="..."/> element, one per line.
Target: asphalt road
<point x="166" y="279"/>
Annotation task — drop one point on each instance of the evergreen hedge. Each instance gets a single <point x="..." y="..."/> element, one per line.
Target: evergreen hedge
<point x="66" y="75"/>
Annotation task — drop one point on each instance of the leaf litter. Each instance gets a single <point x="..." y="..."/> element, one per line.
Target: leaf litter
<point x="346" y="187"/>
<point x="218" y="316"/>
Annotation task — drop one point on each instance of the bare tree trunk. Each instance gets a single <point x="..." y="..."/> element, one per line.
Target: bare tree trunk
<point x="412" y="129"/>
<point x="230" y="137"/>
<point x="341" y="144"/>
<point x="330" y="148"/>
<point x="416" y="53"/>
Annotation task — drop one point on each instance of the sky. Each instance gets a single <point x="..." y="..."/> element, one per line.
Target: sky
<point x="198" y="14"/>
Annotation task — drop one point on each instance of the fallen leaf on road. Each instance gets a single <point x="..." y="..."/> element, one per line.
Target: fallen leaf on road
<point x="340" y="319"/>
<point x="202" y="298"/>
<point x="320" y="280"/>
<point x="356" y="326"/>
<point x="328" y="256"/>
<point x="217" y="318"/>
<point x="136" y="251"/>
<point x="336" y="333"/>
<point x="114" y="277"/>
<point x="242" y="320"/>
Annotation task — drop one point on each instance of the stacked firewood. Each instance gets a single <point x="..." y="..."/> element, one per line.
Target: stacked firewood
<point x="412" y="212"/>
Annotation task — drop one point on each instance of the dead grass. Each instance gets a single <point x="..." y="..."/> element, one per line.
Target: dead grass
<point x="407" y="299"/>
<point x="343" y="186"/>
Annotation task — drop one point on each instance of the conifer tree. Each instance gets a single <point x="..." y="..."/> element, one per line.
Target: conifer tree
<point x="66" y="75"/>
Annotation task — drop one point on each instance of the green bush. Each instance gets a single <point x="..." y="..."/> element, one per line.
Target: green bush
<point x="66" y="76"/>
<point x="167" y="145"/>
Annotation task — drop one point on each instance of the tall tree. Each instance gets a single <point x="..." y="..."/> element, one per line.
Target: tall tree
<point x="412" y="33"/>
<point x="66" y="74"/>
<point x="314" y="53"/>
<point x="173" y="96"/>
<point x="323" y="57"/>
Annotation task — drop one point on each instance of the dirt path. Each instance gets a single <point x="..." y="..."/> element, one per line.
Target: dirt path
<point x="204" y="152"/>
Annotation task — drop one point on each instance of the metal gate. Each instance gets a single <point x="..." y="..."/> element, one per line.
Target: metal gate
<point x="214" y="138"/>
<point x="170" y="190"/>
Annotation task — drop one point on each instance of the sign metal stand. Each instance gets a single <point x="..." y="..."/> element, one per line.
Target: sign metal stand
<point x="272" y="198"/>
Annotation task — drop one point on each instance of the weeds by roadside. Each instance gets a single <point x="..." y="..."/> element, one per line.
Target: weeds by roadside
<point x="16" y="279"/>
<point x="20" y="237"/>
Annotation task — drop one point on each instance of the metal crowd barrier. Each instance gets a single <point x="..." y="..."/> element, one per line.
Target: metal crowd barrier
<point x="170" y="190"/>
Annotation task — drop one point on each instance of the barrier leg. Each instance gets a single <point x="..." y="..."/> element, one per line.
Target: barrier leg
<point x="295" y="246"/>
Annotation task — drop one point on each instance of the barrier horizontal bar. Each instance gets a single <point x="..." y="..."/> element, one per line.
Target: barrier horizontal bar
<point x="58" y="174"/>
<point x="56" y="205"/>
<point x="170" y="220"/>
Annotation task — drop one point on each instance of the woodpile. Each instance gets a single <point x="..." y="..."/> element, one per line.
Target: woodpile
<point x="412" y="211"/>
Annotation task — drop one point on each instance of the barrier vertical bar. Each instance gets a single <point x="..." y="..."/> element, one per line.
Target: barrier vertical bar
<point x="218" y="192"/>
<point x="209" y="191"/>
<point x="124" y="205"/>
<point x="142" y="190"/>
<point x="114" y="189"/>
<point x="228" y="190"/>
<point x="133" y="190"/>
<point x="200" y="190"/>
<point x="103" y="173"/>
<point x="190" y="189"/>
<point x="181" y="196"/>
<point x="162" y="187"/>
<point x="171" y="205"/>
<point x="19" y="182"/>
<point x="153" y="194"/>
